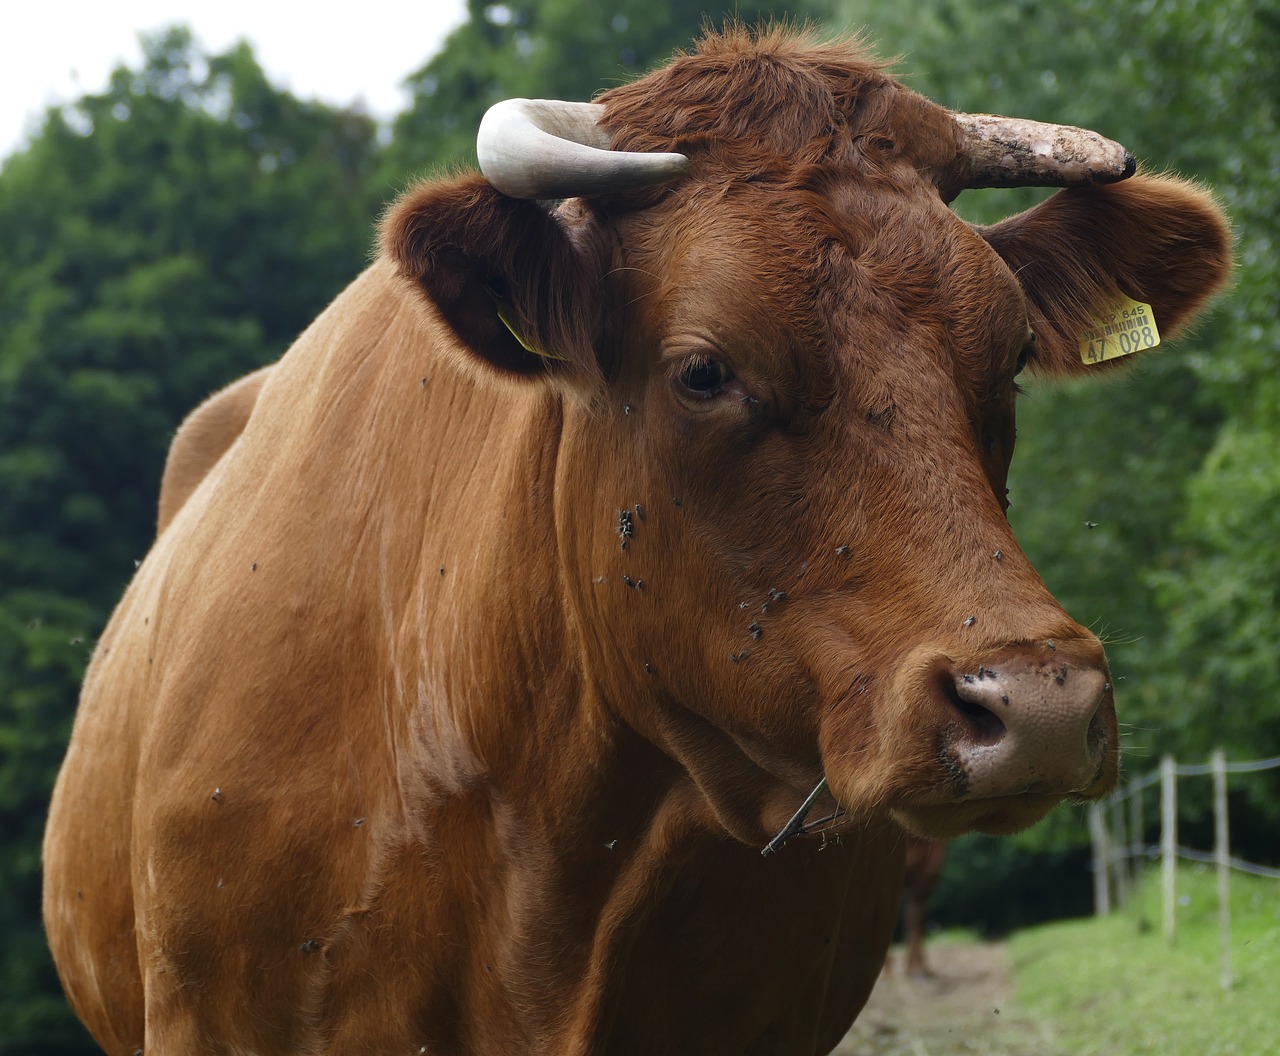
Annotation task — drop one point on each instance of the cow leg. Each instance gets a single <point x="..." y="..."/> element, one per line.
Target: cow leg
<point x="924" y="866"/>
<point x="87" y="899"/>
<point x="914" y="913"/>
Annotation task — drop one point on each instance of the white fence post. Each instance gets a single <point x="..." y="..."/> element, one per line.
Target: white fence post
<point x="1101" y="857"/>
<point x="1119" y="853"/>
<point x="1137" y="845"/>
<point x="1222" y="854"/>
<point x="1169" y="843"/>
<point x="1122" y="835"/>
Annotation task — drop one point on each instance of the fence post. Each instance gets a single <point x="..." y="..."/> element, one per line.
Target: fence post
<point x="1222" y="854"/>
<point x="1137" y="845"/>
<point x="1169" y="842"/>
<point x="1098" y="837"/>
<point x="1119" y="852"/>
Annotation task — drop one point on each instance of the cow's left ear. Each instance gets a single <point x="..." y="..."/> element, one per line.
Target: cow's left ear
<point x="511" y="280"/>
<point x="1085" y="255"/>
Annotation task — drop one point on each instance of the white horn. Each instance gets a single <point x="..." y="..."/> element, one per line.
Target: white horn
<point x="1011" y="152"/>
<point x="545" y="148"/>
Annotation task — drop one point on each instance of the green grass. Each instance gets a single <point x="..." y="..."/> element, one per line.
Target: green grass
<point x="953" y="937"/>
<point x="1114" y="986"/>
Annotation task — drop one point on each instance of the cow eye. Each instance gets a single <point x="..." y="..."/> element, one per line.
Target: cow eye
<point x="704" y="379"/>
<point x="1026" y="353"/>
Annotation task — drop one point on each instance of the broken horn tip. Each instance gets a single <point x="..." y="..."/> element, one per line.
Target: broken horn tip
<point x="1115" y="173"/>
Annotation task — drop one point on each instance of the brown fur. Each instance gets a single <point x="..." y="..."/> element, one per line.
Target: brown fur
<point x="387" y="749"/>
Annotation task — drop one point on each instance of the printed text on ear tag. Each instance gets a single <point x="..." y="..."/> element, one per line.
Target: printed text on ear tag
<point x="1131" y="327"/>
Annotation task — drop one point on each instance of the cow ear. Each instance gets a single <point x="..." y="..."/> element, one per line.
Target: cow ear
<point x="517" y="289"/>
<point x="1085" y="255"/>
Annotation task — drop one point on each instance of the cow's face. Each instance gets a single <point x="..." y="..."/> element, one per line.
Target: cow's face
<point x="789" y="415"/>
<point x="831" y="394"/>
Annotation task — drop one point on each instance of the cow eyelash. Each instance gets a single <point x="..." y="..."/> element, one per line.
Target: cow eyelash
<point x="1028" y="350"/>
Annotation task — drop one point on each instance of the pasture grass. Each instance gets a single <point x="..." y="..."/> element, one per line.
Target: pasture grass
<point x="953" y="937"/>
<point x="1115" y="986"/>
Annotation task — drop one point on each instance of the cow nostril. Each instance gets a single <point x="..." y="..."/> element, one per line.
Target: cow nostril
<point x="982" y="725"/>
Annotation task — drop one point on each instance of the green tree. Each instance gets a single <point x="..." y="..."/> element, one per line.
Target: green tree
<point x="1222" y="595"/>
<point x="159" y="239"/>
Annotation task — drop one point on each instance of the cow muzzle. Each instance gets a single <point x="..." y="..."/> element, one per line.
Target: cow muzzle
<point x="954" y="741"/>
<point x="1017" y="733"/>
<point x="1040" y="721"/>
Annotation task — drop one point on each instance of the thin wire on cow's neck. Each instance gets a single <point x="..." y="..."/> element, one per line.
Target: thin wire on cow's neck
<point x="796" y="825"/>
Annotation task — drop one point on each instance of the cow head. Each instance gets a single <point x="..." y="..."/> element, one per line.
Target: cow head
<point x="787" y="372"/>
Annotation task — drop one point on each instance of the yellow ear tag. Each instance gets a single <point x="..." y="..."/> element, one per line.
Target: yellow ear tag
<point x="506" y="312"/>
<point x="1131" y="327"/>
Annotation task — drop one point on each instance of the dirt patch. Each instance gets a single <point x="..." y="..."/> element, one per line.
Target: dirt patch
<point x="965" y="1007"/>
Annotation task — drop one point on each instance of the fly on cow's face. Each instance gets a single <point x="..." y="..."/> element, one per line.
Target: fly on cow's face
<point x="626" y="527"/>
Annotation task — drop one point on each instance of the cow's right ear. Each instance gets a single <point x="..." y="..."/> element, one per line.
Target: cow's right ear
<point x="507" y="276"/>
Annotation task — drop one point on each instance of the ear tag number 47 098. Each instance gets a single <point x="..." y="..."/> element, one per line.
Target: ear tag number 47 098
<point x="1131" y="327"/>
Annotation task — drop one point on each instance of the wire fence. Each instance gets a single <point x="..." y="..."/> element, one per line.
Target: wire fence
<point x="1117" y="833"/>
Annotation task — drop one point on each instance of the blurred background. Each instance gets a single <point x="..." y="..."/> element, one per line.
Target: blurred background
<point x="173" y="222"/>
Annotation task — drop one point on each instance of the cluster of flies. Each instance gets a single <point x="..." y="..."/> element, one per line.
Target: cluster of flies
<point x="626" y="528"/>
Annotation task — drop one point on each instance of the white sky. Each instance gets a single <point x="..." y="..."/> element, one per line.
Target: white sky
<point x="57" y="50"/>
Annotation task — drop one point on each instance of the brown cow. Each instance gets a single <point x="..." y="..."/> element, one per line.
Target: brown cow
<point x="923" y="868"/>
<point x="570" y="548"/>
